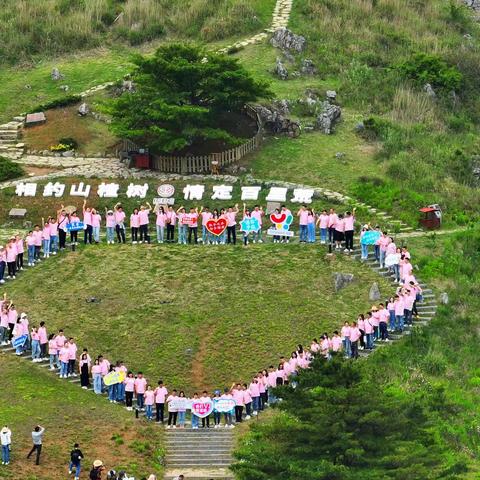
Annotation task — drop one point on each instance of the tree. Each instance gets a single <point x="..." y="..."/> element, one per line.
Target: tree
<point x="338" y="425"/>
<point x="180" y="92"/>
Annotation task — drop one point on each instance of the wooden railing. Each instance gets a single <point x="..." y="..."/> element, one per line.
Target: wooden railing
<point x="203" y="163"/>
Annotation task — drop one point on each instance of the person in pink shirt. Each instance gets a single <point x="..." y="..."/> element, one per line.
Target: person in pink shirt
<point x="206" y="215"/>
<point x="405" y="268"/>
<point x="383" y="242"/>
<point x="46" y="238"/>
<point x="383" y="322"/>
<point x="63" y="355"/>
<point x="35" y="344"/>
<point x="399" y="312"/>
<point x="311" y="226"/>
<point x="143" y="217"/>
<point x="182" y="227"/>
<point x="11" y="257"/>
<point x="349" y="228"/>
<point x="161" y="393"/>
<point x="193" y="225"/>
<point x="355" y="335"/>
<point x="43" y="337"/>
<point x="134" y="225"/>
<point x="60" y="339"/>
<point x="170" y="221"/>
<point x="3" y="263"/>
<point x="160" y="222"/>
<point x="375" y="319"/>
<point x="96" y="222"/>
<point x="173" y="411"/>
<point x="119" y="215"/>
<point x="258" y="213"/>
<point x="110" y="224"/>
<point x="325" y="346"/>
<point x="322" y="223"/>
<point x="87" y="221"/>
<point x="332" y="222"/>
<point x="53" y="224"/>
<point x="339" y="234"/>
<point x="247" y="400"/>
<point x="140" y="388"/>
<point x="73" y="219"/>
<point x="314" y="346"/>
<point x="149" y="401"/>
<point x="30" y="239"/>
<point x="303" y="222"/>
<point x="129" y="390"/>
<point x="232" y="224"/>
<point x="337" y="341"/>
<point x="62" y="220"/>
<point x="238" y="396"/>
<point x="255" y="393"/>
<point x="20" y="245"/>
<point x="97" y="378"/>
<point x="72" y="356"/>
<point x="368" y="331"/>
<point x="37" y="242"/>
<point x="281" y="376"/>
<point x="345" y="334"/>
<point x="53" y="351"/>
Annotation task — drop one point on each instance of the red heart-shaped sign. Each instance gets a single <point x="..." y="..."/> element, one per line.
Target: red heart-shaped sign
<point x="216" y="226"/>
<point x="278" y="217"/>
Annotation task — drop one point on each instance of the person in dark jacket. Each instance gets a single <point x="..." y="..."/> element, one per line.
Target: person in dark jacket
<point x="76" y="457"/>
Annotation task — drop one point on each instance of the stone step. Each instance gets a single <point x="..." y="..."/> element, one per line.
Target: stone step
<point x="199" y="463"/>
<point x="205" y="455"/>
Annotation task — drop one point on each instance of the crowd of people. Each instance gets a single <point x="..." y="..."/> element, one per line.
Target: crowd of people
<point x="155" y="400"/>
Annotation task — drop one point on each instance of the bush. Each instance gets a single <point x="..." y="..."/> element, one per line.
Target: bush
<point x="423" y="68"/>
<point x="71" y="142"/>
<point x="57" y="103"/>
<point x="9" y="169"/>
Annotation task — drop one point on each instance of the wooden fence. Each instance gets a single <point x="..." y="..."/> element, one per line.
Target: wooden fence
<point x="203" y="163"/>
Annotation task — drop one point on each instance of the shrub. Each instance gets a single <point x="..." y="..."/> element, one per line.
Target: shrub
<point x="9" y="169"/>
<point x="71" y="142"/>
<point x="57" y="103"/>
<point x="424" y="68"/>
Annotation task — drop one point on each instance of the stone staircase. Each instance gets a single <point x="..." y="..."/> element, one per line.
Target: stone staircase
<point x="199" y="454"/>
<point x="10" y="139"/>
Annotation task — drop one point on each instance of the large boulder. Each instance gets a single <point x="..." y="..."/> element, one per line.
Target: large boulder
<point x="328" y="117"/>
<point x="286" y="40"/>
<point x="374" y="294"/>
<point x="341" y="280"/>
<point x="280" y="70"/>
<point x="83" y="109"/>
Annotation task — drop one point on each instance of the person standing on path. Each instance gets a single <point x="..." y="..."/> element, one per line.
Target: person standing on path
<point x="76" y="456"/>
<point x="6" y="443"/>
<point x="37" y="436"/>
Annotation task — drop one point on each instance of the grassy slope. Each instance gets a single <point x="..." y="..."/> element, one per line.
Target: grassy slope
<point x="192" y="315"/>
<point x="69" y="415"/>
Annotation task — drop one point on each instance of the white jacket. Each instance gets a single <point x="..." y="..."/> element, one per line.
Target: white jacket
<point x="5" y="437"/>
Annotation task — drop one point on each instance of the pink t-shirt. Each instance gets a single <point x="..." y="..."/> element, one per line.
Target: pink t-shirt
<point x="64" y="355"/>
<point x="129" y="384"/>
<point x="337" y="342"/>
<point x="46" y="233"/>
<point x="258" y="215"/>
<point x="52" y="347"/>
<point x="96" y="219"/>
<point x="140" y="385"/>
<point x="230" y="216"/>
<point x="254" y="389"/>
<point x="160" y="394"/>
<point x="104" y="366"/>
<point x="368" y="327"/>
<point x="399" y="307"/>
<point x="96" y="369"/>
<point x="119" y="216"/>
<point x="340" y="225"/>
<point x="60" y="341"/>
<point x="110" y="221"/>
<point x="303" y="214"/>
<point x="194" y="217"/>
<point x="53" y="229"/>
<point x="87" y="217"/>
<point x="20" y="246"/>
<point x="324" y="220"/>
<point x="11" y="253"/>
<point x="42" y="334"/>
<point x="355" y="334"/>
<point x="247" y="398"/>
<point x="345" y="332"/>
<point x="135" y="220"/>
<point x="206" y="216"/>
<point x="161" y="219"/>
<point x="149" y="397"/>
<point x="349" y="222"/>
<point x="238" y="396"/>
<point x="30" y="240"/>
<point x="171" y="217"/>
<point x="143" y="216"/>
<point x="37" y="238"/>
<point x="72" y="351"/>
<point x="332" y="220"/>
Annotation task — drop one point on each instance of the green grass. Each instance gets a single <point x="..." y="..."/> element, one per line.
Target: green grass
<point x="194" y="316"/>
<point x="70" y="415"/>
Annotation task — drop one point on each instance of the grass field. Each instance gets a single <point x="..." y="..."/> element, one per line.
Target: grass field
<point x="69" y="415"/>
<point x="191" y="315"/>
